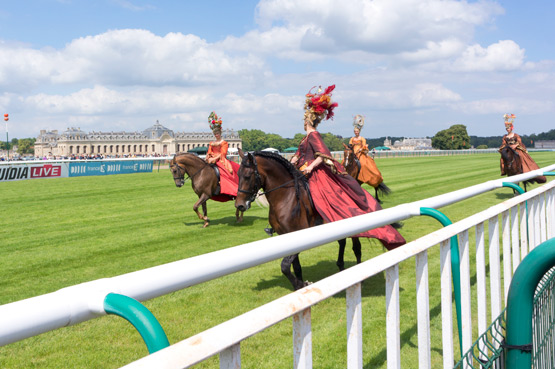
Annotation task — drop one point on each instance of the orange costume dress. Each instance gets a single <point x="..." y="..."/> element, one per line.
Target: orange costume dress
<point x="229" y="180"/>
<point x="528" y="163"/>
<point x="369" y="172"/>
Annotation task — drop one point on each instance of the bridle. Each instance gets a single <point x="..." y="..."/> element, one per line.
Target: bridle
<point x="254" y="193"/>
<point x="181" y="175"/>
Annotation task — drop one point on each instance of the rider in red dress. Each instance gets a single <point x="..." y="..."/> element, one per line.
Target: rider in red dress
<point x="217" y="154"/>
<point x="514" y="141"/>
<point x="335" y="194"/>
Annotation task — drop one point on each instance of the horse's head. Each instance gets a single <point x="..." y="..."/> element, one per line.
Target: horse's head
<point x="511" y="160"/>
<point x="249" y="182"/>
<point x="178" y="172"/>
<point x="348" y="155"/>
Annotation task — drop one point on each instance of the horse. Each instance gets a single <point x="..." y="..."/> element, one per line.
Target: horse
<point x="352" y="166"/>
<point x="512" y="163"/>
<point x="288" y="196"/>
<point x="204" y="180"/>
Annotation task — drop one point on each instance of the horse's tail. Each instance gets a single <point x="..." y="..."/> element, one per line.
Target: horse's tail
<point x="261" y="200"/>
<point x="383" y="189"/>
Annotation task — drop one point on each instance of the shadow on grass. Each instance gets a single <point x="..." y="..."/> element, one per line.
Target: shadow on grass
<point x="504" y="196"/>
<point x="231" y="220"/>
<point x="373" y="286"/>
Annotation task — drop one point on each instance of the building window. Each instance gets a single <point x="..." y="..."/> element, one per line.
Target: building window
<point x="153" y="149"/>
<point x="84" y="149"/>
<point x="71" y="149"/>
<point x="111" y="149"/>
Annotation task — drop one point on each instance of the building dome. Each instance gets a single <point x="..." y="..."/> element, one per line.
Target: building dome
<point x="157" y="130"/>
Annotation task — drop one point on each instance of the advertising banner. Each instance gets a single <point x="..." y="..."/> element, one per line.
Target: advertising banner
<point x="100" y="168"/>
<point x="15" y="172"/>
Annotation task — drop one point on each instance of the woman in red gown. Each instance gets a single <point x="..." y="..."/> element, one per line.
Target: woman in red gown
<point x="514" y="141"/>
<point x="217" y="154"/>
<point x="336" y="195"/>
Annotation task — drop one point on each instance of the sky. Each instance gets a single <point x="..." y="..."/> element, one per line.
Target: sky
<point x="410" y="67"/>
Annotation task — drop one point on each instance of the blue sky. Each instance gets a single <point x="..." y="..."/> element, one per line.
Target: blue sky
<point x="411" y="67"/>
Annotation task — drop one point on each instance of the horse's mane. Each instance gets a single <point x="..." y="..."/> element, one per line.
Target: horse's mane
<point x="291" y="169"/>
<point x="298" y="176"/>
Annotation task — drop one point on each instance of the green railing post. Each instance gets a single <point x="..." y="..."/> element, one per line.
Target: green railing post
<point x="520" y="304"/>
<point x="140" y="317"/>
<point x="455" y="265"/>
<point x="514" y="187"/>
<point x="549" y="173"/>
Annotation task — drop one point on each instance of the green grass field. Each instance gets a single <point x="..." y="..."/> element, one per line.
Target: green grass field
<point x="60" y="232"/>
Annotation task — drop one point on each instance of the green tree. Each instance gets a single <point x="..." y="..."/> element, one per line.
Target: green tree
<point x="453" y="138"/>
<point x="253" y="139"/>
<point x="333" y="142"/>
<point x="25" y="146"/>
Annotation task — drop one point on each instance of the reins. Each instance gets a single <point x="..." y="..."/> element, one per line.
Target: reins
<point x="189" y="176"/>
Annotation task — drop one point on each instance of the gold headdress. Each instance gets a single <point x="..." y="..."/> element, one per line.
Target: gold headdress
<point x="318" y="106"/>
<point x="358" y="122"/>
<point x="215" y="122"/>
<point x="507" y="117"/>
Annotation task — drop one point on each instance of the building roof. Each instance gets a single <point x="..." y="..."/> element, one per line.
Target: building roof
<point x="157" y="130"/>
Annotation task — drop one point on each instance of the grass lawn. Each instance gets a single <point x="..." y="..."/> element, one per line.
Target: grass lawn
<point x="60" y="232"/>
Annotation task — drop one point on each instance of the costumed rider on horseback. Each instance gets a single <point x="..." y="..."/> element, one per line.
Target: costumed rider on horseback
<point x="335" y="194"/>
<point x="217" y="156"/>
<point x="514" y="141"/>
<point x="369" y="172"/>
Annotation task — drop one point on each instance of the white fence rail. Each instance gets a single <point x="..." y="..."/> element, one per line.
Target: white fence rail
<point x="78" y="303"/>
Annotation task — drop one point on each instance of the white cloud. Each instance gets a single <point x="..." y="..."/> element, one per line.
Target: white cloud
<point x="126" y="57"/>
<point x="504" y="55"/>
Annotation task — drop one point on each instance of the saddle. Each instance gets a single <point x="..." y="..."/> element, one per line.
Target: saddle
<point x="218" y="188"/>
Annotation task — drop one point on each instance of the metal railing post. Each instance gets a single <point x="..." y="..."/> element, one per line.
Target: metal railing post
<point x="140" y="317"/>
<point x="455" y="265"/>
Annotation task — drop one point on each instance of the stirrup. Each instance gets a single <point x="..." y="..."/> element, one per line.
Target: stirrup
<point x="269" y="231"/>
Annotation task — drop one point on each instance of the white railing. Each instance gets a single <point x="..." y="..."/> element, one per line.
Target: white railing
<point x="78" y="303"/>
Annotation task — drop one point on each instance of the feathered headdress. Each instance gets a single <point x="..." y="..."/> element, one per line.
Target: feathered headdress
<point x="319" y="105"/>
<point x="507" y="117"/>
<point x="214" y="121"/>
<point x="358" y="122"/>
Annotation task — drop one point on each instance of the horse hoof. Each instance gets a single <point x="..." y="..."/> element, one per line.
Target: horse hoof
<point x="205" y="225"/>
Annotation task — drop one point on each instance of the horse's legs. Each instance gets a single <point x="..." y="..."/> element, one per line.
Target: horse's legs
<point x="357" y="249"/>
<point x="238" y="216"/>
<point x="340" y="261"/>
<point x="202" y="201"/>
<point x="377" y="196"/>
<point x="286" y="270"/>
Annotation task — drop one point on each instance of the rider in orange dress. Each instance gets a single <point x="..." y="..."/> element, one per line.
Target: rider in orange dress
<point x="369" y="172"/>
<point x="217" y="155"/>
<point x="336" y="195"/>
<point x="514" y="141"/>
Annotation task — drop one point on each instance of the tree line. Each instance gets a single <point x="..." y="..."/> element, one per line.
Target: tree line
<point x="24" y="145"/>
<point x="454" y="138"/>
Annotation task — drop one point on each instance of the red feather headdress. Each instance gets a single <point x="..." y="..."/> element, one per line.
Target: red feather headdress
<point x="320" y="103"/>
<point x="507" y="117"/>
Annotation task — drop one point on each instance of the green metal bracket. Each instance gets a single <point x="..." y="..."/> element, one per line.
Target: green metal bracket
<point x="140" y="317"/>
<point x="514" y="187"/>
<point x="520" y="303"/>
<point x="455" y="264"/>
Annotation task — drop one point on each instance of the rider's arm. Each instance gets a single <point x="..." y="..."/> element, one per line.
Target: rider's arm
<point x="313" y="165"/>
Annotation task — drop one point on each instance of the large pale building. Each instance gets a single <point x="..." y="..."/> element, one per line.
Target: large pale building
<point x="410" y="144"/>
<point x="154" y="141"/>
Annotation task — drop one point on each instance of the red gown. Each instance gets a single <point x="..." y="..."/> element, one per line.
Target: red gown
<point x="229" y="180"/>
<point x="528" y="164"/>
<point x="336" y="195"/>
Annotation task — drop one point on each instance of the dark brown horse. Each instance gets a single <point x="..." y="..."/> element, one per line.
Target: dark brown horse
<point x="513" y="164"/>
<point x="291" y="208"/>
<point x="352" y="166"/>
<point x="204" y="180"/>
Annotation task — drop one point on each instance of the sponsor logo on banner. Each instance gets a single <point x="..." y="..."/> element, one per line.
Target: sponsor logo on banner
<point x="18" y="172"/>
<point x="47" y="170"/>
